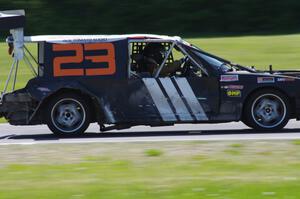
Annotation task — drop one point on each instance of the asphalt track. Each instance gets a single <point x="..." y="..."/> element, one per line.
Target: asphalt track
<point x="27" y="135"/>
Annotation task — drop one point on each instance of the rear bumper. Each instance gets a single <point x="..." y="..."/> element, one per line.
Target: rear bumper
<point x="17" y="108"/>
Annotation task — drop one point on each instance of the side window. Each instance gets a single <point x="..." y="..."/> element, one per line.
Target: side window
<point x="136" y="57"/>
<point x="183" y="65"/>
<point x="174" y="67"/>
<point x="147" y="59"/>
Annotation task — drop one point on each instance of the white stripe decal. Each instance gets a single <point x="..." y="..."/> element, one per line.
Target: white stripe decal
<point x="159" y="99"/>
<point x="180" y="108"/>
<point x="191" y="99"/>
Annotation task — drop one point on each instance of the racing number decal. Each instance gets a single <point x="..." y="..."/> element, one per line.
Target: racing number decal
<point x="78" y="58"/>
<point x="58" y="61"/>
<point x="109" y="58"/>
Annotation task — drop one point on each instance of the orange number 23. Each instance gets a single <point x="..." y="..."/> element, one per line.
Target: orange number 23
<point x="79" y="58"/>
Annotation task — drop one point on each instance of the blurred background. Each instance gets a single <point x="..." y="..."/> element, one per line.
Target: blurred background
<point x="188" y="18"/>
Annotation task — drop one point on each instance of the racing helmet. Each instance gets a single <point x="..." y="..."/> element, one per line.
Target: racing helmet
<point x="155" y="51"/>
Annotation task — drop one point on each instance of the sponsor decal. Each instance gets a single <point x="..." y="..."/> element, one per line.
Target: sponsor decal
<point x="233" y="87"/>
<point x="234" y="93"/>
<point x="265" y="80"/>
<point x="285" y="79"/>
<point x="229" y="78"/>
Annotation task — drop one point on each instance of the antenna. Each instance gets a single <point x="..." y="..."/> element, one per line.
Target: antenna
<point x="271" y="68"/>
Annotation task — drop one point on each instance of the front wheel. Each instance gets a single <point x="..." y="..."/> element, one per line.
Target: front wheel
<point x="267" y="110"/>
<point x="68" y="115"/>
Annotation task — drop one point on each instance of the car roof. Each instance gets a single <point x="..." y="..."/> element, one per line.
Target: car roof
<point x="96" y="38"/>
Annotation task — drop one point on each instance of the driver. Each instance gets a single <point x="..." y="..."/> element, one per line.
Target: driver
<point x="152" y="57"/>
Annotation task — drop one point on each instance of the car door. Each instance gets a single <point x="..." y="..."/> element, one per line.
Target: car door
<point x="172" y="99"/>
<point x="205" y="91"/>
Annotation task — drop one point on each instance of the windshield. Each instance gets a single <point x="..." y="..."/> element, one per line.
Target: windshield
<point x="214" y="62"/>
<point x="209" y="59"/>
<point x="218" y="63"/>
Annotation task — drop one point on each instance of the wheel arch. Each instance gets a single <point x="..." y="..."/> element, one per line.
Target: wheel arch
<point x="89" y="97"/>
<point x="291" y="99"/>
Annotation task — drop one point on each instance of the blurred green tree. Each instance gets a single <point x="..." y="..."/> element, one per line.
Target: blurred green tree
<point x="182" y="17"/>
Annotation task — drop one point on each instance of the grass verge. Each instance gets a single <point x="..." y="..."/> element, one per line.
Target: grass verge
<point x="261" y="169"/>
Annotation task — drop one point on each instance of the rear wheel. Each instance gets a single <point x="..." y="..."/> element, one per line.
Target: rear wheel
<point x="267" y="110"/>
<point x="68" y="115"/>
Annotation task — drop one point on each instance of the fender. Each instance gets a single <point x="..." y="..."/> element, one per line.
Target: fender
<point x="43" y="90"/>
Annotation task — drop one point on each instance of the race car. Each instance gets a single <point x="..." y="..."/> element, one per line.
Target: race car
<point x="120" y="81"/>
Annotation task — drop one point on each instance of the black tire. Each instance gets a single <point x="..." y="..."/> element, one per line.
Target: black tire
<point x="246" y="122"/>
<point x="68" y="115"/>
<point x="267" y="110"/>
